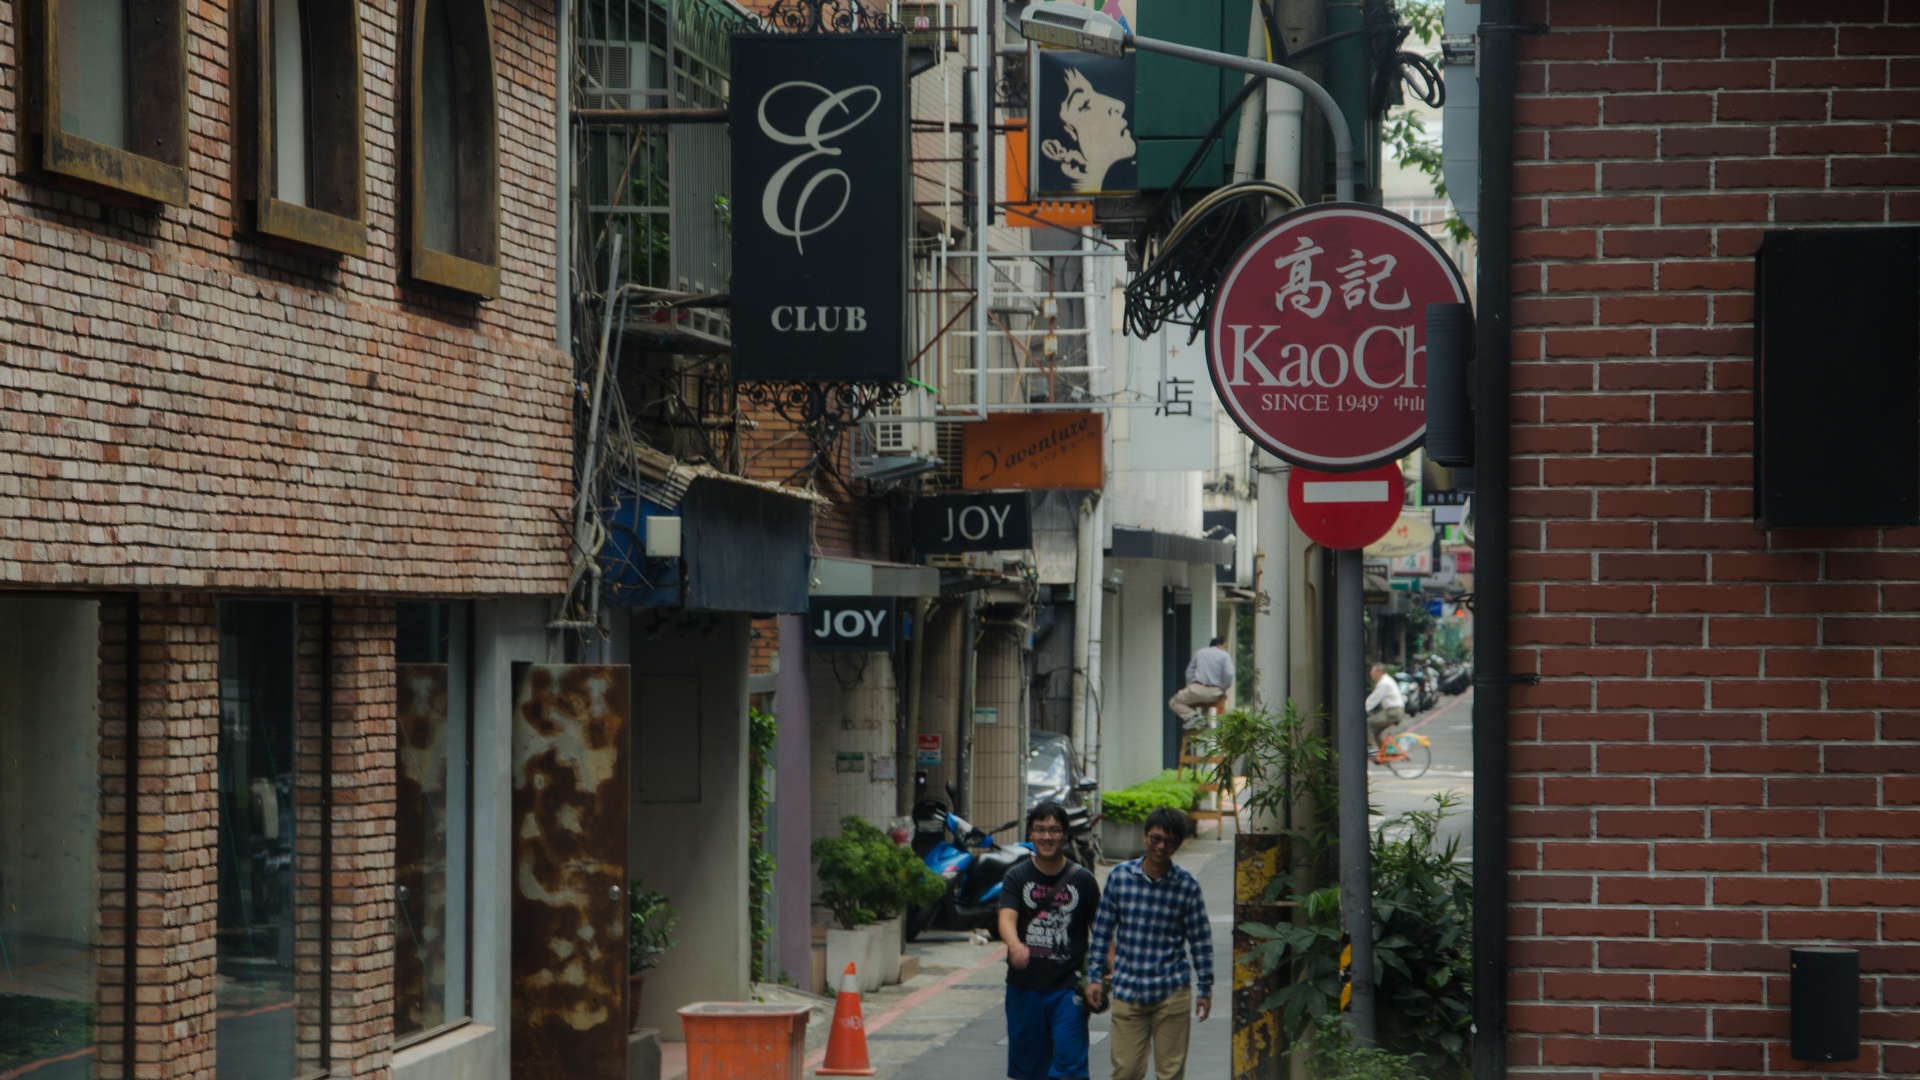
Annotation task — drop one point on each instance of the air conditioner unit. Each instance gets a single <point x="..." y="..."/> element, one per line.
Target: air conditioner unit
<point x="906" y="437"/>
<point x="923" y="21"/>
<point x="614" y="74"/>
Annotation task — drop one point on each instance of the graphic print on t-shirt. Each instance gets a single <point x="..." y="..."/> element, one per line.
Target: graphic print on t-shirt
<point x="1054" y="905"/>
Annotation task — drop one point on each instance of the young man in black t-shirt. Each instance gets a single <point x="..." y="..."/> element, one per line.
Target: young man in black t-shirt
<point x="1046" y="907"/>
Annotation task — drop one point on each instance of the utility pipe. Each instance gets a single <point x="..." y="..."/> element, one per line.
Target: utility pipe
<point x="1248" y="138"/>
<point x="982" y="192"/>
<point x="906" y="764"/>
<point x="1491" y="509"/>
<point x="1356" y="848"/>
<point x="1336" y="120"/>
<point x="1085" y="584"/>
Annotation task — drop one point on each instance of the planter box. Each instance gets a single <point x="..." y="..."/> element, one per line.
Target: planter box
<point x="1120" y="841"/>
<point x="861" y="948"/>
<point x="893" y="944"/>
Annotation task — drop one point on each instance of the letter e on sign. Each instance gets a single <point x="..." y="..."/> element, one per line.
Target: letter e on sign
<point x="1330" y="303"/>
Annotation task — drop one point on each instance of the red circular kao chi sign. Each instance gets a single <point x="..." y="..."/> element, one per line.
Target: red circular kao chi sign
<point x="1318" y="338"/>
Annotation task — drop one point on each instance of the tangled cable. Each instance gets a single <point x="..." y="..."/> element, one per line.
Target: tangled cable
<point x="1178" y="283"/>
<point x="1396" y="67"/>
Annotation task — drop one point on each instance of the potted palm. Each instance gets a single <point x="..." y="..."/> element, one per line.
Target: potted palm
<point x="650" y="920"/>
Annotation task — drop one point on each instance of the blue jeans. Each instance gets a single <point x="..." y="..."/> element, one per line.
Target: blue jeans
<point x="1046" y="1035"/>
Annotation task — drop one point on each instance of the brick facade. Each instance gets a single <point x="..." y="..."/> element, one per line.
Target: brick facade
<point x="182" y="406"/>
<point x="1719" y="763"/>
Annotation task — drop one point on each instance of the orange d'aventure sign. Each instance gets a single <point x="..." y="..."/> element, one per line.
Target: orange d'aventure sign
<point x="1034" y="452"/>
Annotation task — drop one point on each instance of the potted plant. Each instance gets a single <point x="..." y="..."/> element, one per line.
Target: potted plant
<point x="1123" y="811"/>
<point x="868" y="881"/>
<point x="650" y="920"/>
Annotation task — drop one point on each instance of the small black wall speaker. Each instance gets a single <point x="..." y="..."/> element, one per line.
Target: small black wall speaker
<point x="1825" y="1005"/>
<point x="1449" y="398"/>
<point x="1836" y="400"/>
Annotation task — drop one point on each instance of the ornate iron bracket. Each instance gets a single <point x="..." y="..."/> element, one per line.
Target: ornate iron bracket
<point x="825" y="411"/>
<point x="827" y="17"/>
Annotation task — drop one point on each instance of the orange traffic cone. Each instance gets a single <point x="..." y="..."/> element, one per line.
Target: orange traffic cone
<point x="847" y="1044"/>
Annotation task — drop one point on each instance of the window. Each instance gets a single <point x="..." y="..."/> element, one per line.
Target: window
<point x="268" y="983"/>
<point x="49" y="825"/>
<point x="454" y="143"/>
<point x="308" y="176"/>
<point x="112" y="96"/>
<point x="433" y="811"/>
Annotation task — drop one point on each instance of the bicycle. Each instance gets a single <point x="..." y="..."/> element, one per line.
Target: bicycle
<point x="1408" y="755"/>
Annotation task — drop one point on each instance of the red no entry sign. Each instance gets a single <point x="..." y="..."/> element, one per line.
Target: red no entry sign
<point x="1346" y="511"/>
<point x="1318" y="338"/>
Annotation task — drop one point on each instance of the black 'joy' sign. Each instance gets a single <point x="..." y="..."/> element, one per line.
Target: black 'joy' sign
<point x="852" y="624"/>
<point x="990" y="521"/>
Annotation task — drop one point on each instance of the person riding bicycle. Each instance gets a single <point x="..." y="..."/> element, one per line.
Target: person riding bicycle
<point x="1386" y="706"/>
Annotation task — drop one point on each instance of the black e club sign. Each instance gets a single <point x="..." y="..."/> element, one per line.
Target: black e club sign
<point x="820" y="207"/>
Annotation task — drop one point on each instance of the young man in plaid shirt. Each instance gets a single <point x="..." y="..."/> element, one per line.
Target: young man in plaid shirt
<point x="1153" y="910"/>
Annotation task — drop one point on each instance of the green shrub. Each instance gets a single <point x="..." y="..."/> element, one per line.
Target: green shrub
<point x="867" y="877"/>
<point x="1130" y="806"/>
<point x="650" y="920"/>
<point x="1335" y="1056"/>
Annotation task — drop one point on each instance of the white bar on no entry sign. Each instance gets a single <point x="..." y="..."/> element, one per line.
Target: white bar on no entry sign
<point x="1344" y="491"/>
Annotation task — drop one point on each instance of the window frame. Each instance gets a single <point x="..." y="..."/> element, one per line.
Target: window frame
<point x="477" y="112"/>
<point x="333" y="47"/>
<point x="156" y="72"/>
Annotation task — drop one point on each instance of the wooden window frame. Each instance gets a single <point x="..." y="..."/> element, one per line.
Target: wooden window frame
<point x="478" y="114"/>
<point x="157" y="59"/>
<point x="336" y="160"/>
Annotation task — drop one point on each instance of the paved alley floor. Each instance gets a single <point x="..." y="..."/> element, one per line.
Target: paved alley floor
<point x="949" y="1023"/>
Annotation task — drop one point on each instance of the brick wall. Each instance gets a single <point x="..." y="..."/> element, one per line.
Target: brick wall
<point x="182" y="407"/>
<point x="175" y="1029"/>
<point x="1719" y="763"/>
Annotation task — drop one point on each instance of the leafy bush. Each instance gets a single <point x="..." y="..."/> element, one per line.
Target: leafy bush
<point x="762" y="730"/>
<point x="1422" y="948"/>
<point x="1335" y="1056"/>
<point x="1130" y="806"/>
<point x="650" y="922"/>
<point x="867" y="877"/>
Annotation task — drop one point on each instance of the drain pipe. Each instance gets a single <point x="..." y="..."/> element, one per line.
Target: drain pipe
<point x="1491" y="513"/>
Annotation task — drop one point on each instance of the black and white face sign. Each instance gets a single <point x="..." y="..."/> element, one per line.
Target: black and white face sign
<point x="950" y="524"/>
<point x="820" y="207"/>
<point x="852" y="624"/>
<point x="1082" y="142"/>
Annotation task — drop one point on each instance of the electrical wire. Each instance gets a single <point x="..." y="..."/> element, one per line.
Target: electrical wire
<point x="1178" y="285"/>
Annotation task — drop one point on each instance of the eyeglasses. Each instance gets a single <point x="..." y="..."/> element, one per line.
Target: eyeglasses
<point x="1047" y="830"/>
<point x="1160" y="839"/>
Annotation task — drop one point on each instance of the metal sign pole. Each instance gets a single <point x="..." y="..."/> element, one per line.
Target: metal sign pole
<point x="1356" y="848"/>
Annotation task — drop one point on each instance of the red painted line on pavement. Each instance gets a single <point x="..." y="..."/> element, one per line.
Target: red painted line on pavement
<point x="33" y="1065"/>
<point x="895" y="1011"/>
<point x="1438" y="713"/>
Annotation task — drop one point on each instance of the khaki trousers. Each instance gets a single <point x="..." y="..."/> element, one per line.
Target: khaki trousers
<point x="1193" y="694"/>
<point x="1166" y="1023"/>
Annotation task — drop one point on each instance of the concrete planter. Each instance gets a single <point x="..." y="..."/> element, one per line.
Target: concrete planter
<point x="893" y="943"/>
<point x="1122" y="840"/>
<point x="861" y="948"/>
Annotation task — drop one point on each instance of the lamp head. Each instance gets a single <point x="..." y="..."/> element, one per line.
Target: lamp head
<point x="1068" y="25"/>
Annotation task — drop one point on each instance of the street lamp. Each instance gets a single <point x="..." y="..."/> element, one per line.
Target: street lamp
<point x="1076" y="26"/>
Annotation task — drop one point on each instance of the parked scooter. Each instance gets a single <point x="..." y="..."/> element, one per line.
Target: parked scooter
<point x="1457" y="677"/>
<point x="973" y="864"/>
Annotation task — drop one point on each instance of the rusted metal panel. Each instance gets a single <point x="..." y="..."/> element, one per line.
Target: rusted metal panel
<point x="1259" y="1045"/>
<point x="570" y="871"/>
<point x="420" y="854"/>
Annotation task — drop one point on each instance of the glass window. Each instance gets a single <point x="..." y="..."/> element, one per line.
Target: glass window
<point x="49" y="824"/>
<point x="268" y="952"/>
<point x="93" y="70"/>
<point x="430" y="935"/>
<point x="439" y="140"/>
<point x="290" y="133"/>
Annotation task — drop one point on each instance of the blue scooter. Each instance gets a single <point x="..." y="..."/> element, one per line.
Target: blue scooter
<point x="974" y="866"/>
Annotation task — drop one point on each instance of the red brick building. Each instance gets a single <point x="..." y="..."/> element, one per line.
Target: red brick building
<point x="280" y="401"/>
<point x="1719" y="762"/>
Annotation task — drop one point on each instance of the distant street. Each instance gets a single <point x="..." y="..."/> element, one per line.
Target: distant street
<point x="1449" y="726"/>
